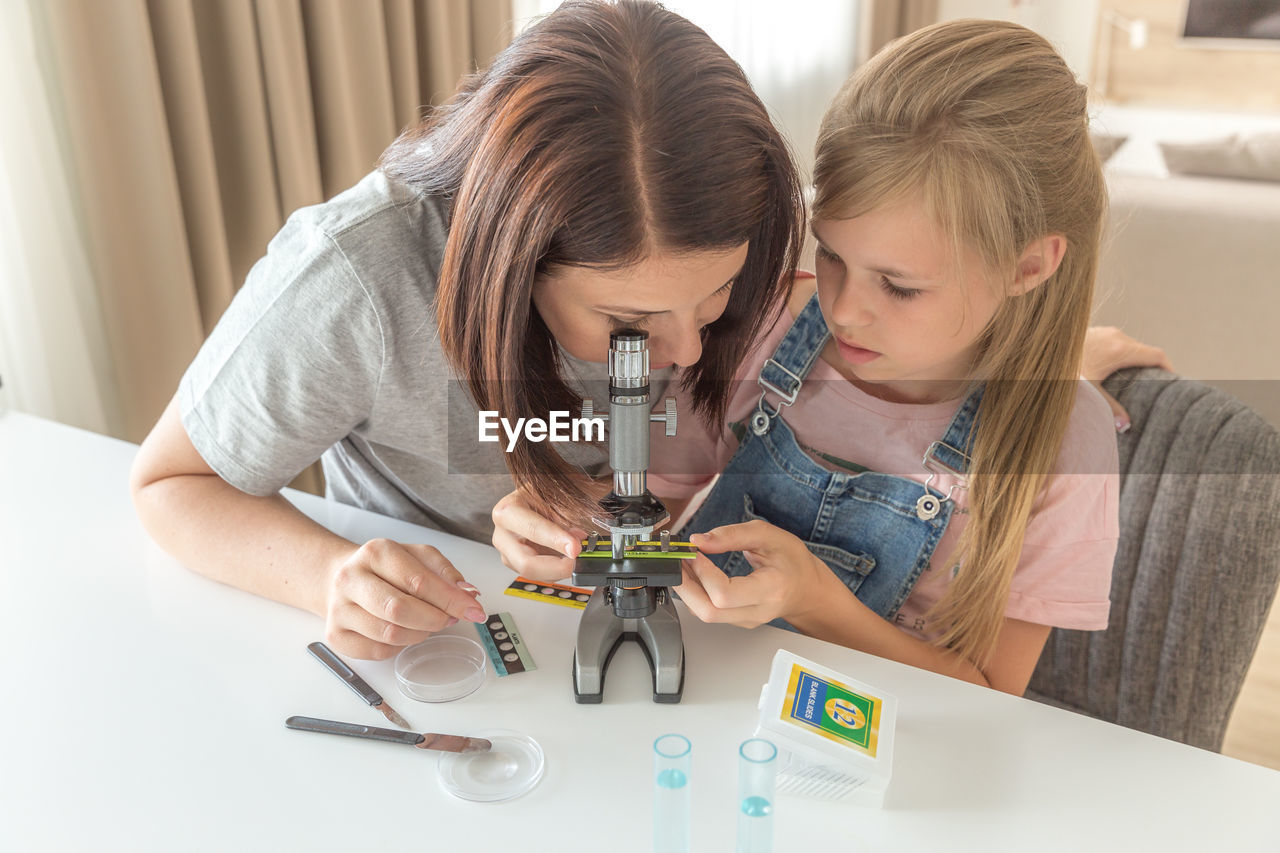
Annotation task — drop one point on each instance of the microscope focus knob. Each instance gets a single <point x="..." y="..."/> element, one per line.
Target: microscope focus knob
<point x="669" y="417"/>
<point x="588" y="409"/>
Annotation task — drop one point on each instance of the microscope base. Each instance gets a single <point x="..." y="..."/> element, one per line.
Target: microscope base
<point x="601" y="632"/>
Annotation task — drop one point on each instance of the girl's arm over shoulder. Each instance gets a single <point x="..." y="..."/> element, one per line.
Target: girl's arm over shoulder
<point x="1106" y="350"/>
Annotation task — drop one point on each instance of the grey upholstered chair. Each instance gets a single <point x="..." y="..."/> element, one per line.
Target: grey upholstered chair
<point x="1195" y="572"/>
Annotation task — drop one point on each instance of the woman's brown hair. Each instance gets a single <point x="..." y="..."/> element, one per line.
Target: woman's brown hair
<point x="604" y="133"/>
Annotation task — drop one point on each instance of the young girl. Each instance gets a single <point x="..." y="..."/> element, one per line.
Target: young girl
<point x="957" y="216"/>
<point x="612" y="164"/>
<point x="911" y="466"/>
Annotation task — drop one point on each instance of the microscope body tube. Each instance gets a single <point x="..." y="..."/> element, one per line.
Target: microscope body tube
<point x="629" y="444"/>
<point x="629" y="411"/>
<point x="628" y="426"/>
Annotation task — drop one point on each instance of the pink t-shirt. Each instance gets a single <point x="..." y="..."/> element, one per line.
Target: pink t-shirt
<point x="1064" y="576"/>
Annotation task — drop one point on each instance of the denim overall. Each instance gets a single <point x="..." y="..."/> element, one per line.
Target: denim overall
<point x="877" y="532"/>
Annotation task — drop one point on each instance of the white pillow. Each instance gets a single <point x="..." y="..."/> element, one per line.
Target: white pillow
<point x="1106" y="144"/>
<point x="1253" y="158"/>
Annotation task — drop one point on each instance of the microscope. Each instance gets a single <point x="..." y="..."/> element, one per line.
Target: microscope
<point x="632" y="573"/>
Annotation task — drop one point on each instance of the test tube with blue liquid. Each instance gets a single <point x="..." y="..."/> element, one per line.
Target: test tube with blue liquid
<point x="757" y="771"/>
<point x="671" y="761"/>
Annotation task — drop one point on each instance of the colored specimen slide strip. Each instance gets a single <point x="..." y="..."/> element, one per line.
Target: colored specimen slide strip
<point x="507" y="651"/>
<point x="552" y="593"/>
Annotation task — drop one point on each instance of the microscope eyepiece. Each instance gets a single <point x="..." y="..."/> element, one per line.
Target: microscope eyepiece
<point x="628" y="362"/>
<point x="628" y="336"/>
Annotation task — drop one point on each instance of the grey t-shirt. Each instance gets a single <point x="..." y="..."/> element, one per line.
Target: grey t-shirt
<point x="330" y="350"/>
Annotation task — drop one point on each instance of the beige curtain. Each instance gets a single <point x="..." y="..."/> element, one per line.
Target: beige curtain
<point x="885" y="20"/>
<point x="192" y="128"/>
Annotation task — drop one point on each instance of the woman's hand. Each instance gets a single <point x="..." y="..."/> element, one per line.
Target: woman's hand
<point x="786" y="578"/>
<point x="1106" y="350"/>
<point x="387" y="595"/>
<point x="531" y="545"/>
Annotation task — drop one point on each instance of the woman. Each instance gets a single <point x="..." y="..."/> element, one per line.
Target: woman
<point x="612" y="167"/>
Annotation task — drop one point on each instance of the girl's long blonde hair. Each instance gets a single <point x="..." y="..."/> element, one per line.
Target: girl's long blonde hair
<point x="987" y="122"/>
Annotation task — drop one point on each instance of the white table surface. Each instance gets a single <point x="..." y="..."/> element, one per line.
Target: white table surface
<point x="144" y="709"/>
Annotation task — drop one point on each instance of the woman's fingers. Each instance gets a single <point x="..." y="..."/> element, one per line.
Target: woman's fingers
<point x="547" y="569"/>
<point x="355" y="617"/>
<point x="393" y="595"/>
<point x="392" y="610"/>
<point x="1108" y="349"/>
<point x="1156" y="357"/>
<point x="1134" y="353"/>
<point x="424" y="577"/>
<point x="528" y="561"/>
<point x="532" y="545"/>
<point x="356" y="645"/>
<point x="514" y="515"/>
<point x="1118" y="412"/>
<point x="436" y="562"/>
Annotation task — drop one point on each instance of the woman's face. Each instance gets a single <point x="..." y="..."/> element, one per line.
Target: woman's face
<point x="670" y="296"/>
<point x="906" y="320"/>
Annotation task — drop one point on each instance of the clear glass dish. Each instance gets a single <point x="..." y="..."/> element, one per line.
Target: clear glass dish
<point x="441" y="668"/>
<point x="512" y="767"/>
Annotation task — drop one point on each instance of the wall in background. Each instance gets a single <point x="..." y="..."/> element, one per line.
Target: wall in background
<point x="796" y="54"/>
<point x="1069" y="26"/>
<point x="1166" y="71"/>
<point x="1170" y="72"/>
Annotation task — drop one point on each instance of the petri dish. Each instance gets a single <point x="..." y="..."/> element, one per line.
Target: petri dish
<point x="513" y="767"/>
<point x="441" y="668"/>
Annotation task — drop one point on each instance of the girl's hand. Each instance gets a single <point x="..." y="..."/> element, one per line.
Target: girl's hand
<point x="786" y="578"/>
<point x="1106" y="350"/>
<point x="531" y="545"/>
<point x="387" y="595"/>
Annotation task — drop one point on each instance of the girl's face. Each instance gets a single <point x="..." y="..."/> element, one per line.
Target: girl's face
<point x="905" y="320"/>
<point x="671" y="296"/>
